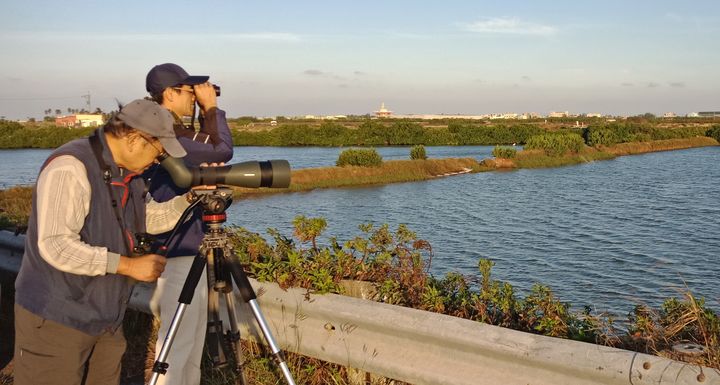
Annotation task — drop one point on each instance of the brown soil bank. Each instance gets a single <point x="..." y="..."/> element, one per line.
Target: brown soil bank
<point x="538" y="159"/>
<point x="659" y="145"/>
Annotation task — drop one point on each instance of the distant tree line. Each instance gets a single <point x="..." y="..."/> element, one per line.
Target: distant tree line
<point x="378" y="133"/>
<point x="408" y="133"/>
<point x="383" y="133"/>
<point x="16" y="135"/>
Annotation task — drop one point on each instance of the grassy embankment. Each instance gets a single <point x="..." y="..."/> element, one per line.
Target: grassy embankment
<point x="415" y="170"/>
<point x="537" y="159"/>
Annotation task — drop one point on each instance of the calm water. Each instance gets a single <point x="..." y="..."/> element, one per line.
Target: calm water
<point x="607" y="234"/>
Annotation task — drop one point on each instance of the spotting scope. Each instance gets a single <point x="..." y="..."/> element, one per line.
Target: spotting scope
<point x="251" y="174"/>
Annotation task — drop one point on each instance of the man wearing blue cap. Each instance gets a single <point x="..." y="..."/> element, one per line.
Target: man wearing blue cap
<point x="88" y="205"/>
<point x="172" y="87"/>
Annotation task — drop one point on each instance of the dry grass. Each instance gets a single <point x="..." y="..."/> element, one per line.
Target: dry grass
<point x="698" y="325"/>
<point x="15" y="204"/>
<point x="659" y="145"/>
<point x="389" y="172"/>
<point x="538" y="159"/>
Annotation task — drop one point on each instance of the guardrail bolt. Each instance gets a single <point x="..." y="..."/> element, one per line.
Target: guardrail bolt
<point x="646" y="366"/>
<point x="701" y="377"/>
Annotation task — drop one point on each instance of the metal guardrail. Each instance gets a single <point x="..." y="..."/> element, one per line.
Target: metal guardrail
<point x="427" y="348"/>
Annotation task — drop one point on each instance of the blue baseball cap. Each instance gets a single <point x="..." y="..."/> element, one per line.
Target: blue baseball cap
<point x="167" y="75"/>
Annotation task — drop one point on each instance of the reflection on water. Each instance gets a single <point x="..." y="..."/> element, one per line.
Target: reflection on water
<point x="609" y="234"/>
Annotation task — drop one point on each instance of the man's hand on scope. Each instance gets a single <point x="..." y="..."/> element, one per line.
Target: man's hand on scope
<point x="146" y="268"/>
<point x="190" y="196"/>
<point x="205" y="96"/>
<point x="207" y="186"/>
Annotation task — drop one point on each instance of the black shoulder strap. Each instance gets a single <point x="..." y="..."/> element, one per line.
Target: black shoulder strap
<point x="107" y="177"/>
<point x="97" y="150"/>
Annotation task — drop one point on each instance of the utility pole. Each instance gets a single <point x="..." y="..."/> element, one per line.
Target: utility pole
<point x="87" y="97"/>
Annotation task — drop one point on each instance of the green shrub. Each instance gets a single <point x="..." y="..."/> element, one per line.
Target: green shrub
<point x="418" y="152"/>
<point x="504" y="152"/>
<point x="556" y="144"/>
<point x="600" y="137"/>
<point x="359" y="157"/>
<point x="714" y="132"/>
<point x="14" y="135"/>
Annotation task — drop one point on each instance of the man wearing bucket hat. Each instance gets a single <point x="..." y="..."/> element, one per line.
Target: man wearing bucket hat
<point x="88" y="205"/>
<point x="172" y="87"/>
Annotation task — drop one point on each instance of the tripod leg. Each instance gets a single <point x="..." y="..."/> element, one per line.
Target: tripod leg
<point x="248" y="294"/>
<point x="214" y="327"/>
<point x="234" y="338"/>
<point x="160" y="366"/>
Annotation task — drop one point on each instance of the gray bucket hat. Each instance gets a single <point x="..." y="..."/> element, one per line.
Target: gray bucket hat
<point x="154" y="120"/>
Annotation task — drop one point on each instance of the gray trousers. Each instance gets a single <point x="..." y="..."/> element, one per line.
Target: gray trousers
<point x="49" y="353"/>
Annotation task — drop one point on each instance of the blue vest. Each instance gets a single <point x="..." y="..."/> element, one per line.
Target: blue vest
<point x="91" y="304"/>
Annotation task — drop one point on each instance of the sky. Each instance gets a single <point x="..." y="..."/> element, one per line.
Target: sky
<point x="290" y="58"/>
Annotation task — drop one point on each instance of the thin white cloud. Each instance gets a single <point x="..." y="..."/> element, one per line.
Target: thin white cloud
<point x="510" y="26"/>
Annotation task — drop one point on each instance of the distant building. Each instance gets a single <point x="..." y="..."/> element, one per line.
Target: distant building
<point x="593" y="115"/>
<point x="383" y="112"/>
<point x="709" y="114"/>
<point x="440" y="116"/>
<point x="669" y="115"/>
<point x="79" y="120"/>
<point x="561" y="114"/>
<point x="325" y="117"/>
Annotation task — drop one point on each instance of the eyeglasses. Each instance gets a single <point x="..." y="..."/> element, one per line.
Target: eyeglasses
<point x="150" y="142"/>
<point x="192" y="91"/>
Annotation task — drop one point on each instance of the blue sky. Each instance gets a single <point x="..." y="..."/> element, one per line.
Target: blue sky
<point x="346" y="57"/>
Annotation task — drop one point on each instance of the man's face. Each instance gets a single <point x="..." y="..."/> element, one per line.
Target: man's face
<point x="184" y="100"/>
<point x="145" y="151"/>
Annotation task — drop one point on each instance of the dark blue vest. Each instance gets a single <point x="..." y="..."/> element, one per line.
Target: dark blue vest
<point x="90" y="304"/>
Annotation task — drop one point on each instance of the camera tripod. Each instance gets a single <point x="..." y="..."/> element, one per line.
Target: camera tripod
<point x="214" y="253"/>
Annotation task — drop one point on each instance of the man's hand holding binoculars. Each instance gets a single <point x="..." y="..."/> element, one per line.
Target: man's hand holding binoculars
<point x="206" y="96"/>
